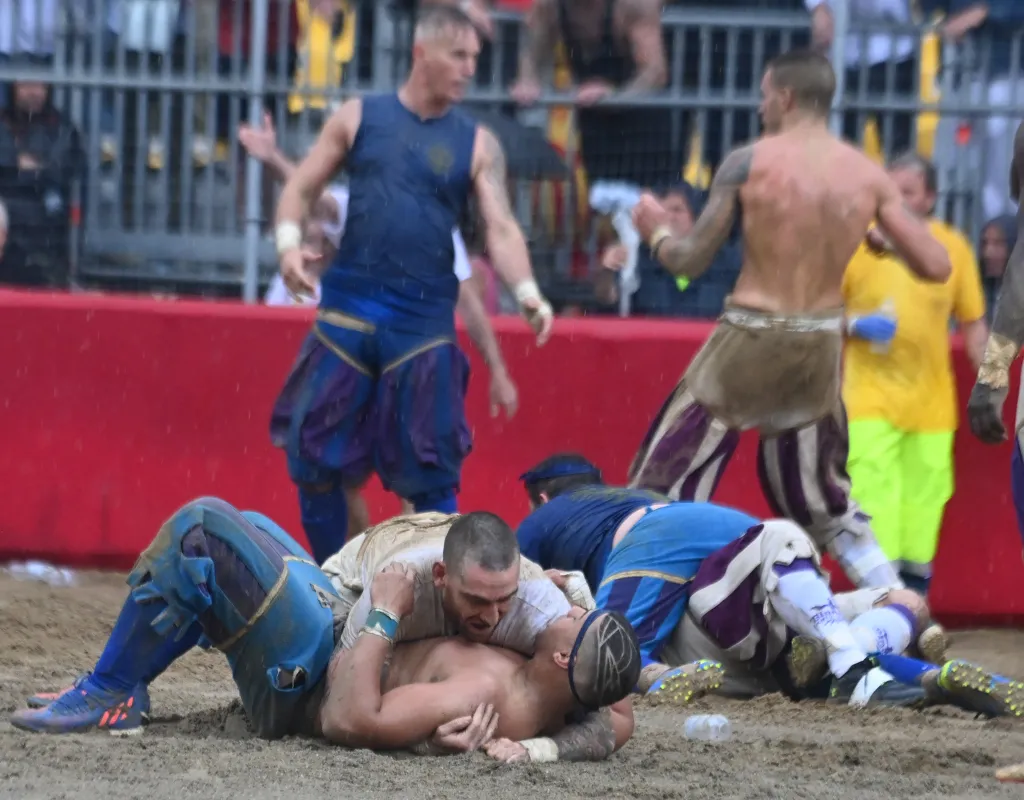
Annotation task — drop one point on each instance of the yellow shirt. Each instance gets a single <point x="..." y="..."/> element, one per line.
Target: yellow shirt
<point x="911" y="385"/>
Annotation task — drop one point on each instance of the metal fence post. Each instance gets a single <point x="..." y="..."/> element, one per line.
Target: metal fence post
<point x="840" y="32"/>
<point x="253" y="168"/>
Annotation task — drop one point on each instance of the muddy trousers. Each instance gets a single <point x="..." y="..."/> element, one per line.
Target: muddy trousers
<point x="802" y="473"/>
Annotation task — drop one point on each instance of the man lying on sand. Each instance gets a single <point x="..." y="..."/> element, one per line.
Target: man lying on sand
<point x="702" y="581"/>
<point x="235" y="580"/>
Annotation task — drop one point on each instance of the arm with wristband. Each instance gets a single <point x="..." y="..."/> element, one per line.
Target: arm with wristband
<point x="691" y="255"/>
<point x="505" y="242"/>
<point x="355" y="712"/>
<point x="985" y="406"/>
<point x="302" y="189"/>
<point x="593" y="738"/>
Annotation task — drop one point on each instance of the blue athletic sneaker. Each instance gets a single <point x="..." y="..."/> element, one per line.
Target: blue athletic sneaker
<point x="682" y="685"/>
<point x="83" y="707"/>
<point x="43" y="699"/>
<point x="972" y="688"/>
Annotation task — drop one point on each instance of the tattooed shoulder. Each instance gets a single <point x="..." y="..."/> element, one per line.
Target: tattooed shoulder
<point x="735" y="168"/>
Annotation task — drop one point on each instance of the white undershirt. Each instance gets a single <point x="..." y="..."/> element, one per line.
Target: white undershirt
<point x="277" y="293"/>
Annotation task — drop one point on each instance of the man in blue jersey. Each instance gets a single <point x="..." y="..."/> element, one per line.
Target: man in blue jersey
<point x="379" y="384"/>
<point x="699" y="581"/>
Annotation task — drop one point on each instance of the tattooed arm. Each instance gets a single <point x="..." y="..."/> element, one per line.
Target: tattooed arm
<point x="985" y="407"/>
<point x="505" y="243"/>
<point x="692" y="254"/>
<point x="643" y="21"/>
<point x="542" y="37"/>
<point x="597" y="735"/>
<point x="593" y="738"/>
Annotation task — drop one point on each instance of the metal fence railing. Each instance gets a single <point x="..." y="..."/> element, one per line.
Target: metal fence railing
<point x="158" y="89"/>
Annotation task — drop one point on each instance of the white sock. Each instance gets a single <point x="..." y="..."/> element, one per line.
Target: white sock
<point x="883" y="630"/>
<point x="805" y="602"/>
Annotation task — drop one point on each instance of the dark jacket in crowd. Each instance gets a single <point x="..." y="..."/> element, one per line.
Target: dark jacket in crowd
<point x="37" y="199"/>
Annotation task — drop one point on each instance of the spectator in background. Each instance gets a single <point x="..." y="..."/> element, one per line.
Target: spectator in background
<point x="40" y="155"/>
<point x="995" y="77"/>
<point x="898" y="379"/>
<point x="871" y="62"/>
<point x="660" y="294"/>
<point x="615" y="49"/>
<point x="998" y="238"/>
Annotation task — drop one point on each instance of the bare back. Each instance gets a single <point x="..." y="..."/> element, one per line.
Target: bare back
<point x="440" y="659"/>
<point x="466" y="667"/>
<point x="807" y="203"/>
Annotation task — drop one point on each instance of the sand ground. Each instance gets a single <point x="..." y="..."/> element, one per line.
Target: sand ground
<point x="198" y="745"/>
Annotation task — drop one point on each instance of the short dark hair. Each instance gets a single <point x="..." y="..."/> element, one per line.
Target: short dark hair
<point x="808" y="75"/>
<point x="483" y="539"/>
<point x="432" y="19"/>
<point x="914" y="160"/>
<point x="558" y="474"/>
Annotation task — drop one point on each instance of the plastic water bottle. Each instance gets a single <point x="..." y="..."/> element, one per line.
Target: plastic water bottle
<point x="887" y="310"/>
<point x="42" y="572"/>
<point x="708" y="728"/>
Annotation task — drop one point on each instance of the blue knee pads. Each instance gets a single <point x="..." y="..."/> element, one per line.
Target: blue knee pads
<point x="258" y="596"/>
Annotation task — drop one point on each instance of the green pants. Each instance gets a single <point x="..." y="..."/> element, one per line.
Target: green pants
<point x="903" y="480"/>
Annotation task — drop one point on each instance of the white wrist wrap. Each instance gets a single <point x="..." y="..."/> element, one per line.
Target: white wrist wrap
<point x="288" y="236"/>
<point x="527" y="290"/>
<point x="542" y="750"/>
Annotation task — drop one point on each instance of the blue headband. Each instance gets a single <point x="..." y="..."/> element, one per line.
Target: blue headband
<point x="574" y="653"/>
<point x="560" y="471"/>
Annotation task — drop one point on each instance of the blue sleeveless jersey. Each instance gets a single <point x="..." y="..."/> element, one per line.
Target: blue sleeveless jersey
<point x="575" y="530"/>
<point x="409" y="180"/>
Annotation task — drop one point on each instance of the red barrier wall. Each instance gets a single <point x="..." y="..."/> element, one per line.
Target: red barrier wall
<point x="115" y="410"/>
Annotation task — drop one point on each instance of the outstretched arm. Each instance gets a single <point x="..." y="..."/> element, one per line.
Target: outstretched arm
<point x="647" y="45"/>
<point x="506" y="245"/>
<point x="541" y="33"/>
<point x="594" y="738"/>
<point x="692" y="254"/>
<point x="306" y="183"/>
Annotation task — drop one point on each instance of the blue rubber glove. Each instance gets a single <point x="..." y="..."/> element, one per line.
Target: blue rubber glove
<point x="872" y="327"/>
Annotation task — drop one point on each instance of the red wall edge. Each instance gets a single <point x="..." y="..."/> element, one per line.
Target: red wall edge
<point x="116" y="410"/>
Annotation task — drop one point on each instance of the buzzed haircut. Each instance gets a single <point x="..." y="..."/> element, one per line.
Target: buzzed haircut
<point x="433" y="20"/>
<point x="604" y="665"/>
<point x="912" y="160"/>
<point x="808" y="75"/>
<point x="483" y="539"/>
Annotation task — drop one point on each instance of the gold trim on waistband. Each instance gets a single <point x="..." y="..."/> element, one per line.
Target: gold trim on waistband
<point x="416" y="351"/>
<point x="348" y="359"/>
<point x="646" y="573"/>
<point x="827" y="320"/>
<point x="343" y="320"/>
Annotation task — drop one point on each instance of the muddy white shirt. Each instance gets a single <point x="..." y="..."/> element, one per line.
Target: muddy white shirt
<point x="418" y="541"/>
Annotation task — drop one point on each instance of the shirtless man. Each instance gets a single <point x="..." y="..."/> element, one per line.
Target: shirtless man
<point x="985" y="406"/>
<point x="583" y="662"/>
<point x="773" y="362"/>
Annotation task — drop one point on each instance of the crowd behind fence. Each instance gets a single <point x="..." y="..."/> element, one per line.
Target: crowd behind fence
<point x="148" y="185"/>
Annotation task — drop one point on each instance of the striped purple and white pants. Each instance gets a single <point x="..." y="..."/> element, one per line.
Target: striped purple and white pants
<point x="781" y="375"/>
